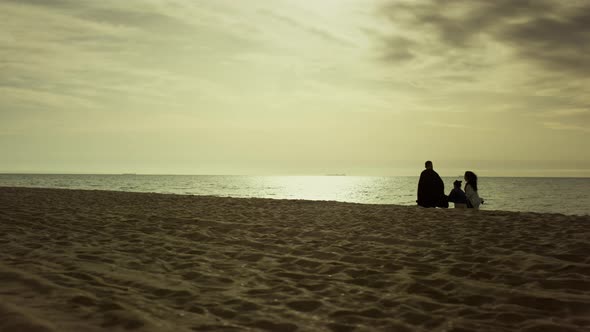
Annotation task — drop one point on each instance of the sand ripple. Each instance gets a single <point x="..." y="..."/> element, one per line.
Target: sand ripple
<point x="97" y="260"/>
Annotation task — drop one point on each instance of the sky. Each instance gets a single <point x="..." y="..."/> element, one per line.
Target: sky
<point x="362" y="87"/>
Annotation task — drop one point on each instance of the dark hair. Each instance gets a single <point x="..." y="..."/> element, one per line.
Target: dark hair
<point x="428" y="163"/>
<point x="471" y="179"/>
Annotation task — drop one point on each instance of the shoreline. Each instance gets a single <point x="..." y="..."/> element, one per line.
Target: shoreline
<point x="296" y="200"/>
<point x="111" y="260"/>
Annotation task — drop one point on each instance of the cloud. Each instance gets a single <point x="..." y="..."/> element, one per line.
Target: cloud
<point x="151" y="21"/>
<point x="59" y="54"/>
<point x="552" y="34"/>
<point x="573" y="119"/>
<point x="44" y="3"/>
<point x="563" y="126"/>
<point x="320" y="32"/>
<point x="400" y="50"/>
<point x="527" y="59"/>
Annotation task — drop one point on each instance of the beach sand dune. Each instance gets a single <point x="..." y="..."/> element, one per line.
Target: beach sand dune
<point x="74" y="260"/>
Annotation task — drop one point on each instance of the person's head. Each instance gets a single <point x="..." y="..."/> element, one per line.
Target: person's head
<point x="457" y="184"/>
<point x="428" y="164"/>
<point x="471" y="179"/>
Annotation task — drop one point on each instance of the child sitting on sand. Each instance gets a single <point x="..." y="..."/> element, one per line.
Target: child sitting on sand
<point x="457" y="196"/>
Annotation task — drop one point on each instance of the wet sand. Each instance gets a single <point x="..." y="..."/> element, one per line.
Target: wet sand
<point x="74" y="260"/>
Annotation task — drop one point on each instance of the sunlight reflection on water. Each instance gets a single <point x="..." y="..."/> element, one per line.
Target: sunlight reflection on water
<point x="560" y="195"/>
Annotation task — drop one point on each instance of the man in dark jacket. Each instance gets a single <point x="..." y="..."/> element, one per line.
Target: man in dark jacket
<point x="431" y="189"/>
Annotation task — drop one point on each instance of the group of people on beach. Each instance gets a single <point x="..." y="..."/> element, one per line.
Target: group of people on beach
<point x="431" y="190"/>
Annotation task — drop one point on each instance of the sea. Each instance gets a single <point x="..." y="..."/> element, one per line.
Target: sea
<point x="569" y="196"/>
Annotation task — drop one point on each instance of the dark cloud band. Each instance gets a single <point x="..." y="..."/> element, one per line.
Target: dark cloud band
<point x="553" y="34"/>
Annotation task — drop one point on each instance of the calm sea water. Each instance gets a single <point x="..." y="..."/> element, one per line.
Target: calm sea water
<point x="559" y="195"/>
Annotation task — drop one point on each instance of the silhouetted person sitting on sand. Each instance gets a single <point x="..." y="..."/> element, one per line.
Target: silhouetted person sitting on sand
<point x="473" y="199"/>
<point x="457" y="196"/>
<point x="431" y="189"/>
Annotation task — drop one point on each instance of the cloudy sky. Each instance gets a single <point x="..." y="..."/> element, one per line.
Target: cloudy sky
<point x="368" y="87"/>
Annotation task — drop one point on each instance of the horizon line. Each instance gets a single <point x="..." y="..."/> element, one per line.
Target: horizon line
<point x="317" y="175"/>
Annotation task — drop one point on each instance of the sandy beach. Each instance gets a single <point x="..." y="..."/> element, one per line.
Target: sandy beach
<point x="74" y="260"/>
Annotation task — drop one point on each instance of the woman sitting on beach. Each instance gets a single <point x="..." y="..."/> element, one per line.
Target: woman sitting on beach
<point x="473" y="199"/>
